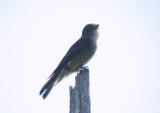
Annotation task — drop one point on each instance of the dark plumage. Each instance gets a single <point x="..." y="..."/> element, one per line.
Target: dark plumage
<point x="76" y="57"/>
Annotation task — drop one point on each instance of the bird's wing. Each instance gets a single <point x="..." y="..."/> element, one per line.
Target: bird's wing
<point x="80" y="45"/>
<point x="54" y="78"/>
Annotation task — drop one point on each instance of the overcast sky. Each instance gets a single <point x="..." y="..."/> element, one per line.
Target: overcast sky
<point x="124" y="73"/>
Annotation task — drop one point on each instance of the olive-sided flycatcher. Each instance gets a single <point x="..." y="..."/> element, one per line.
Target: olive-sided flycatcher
<point x="76" y="57"/>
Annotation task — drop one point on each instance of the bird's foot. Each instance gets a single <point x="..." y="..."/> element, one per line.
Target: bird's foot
<point x="85" y="68"/>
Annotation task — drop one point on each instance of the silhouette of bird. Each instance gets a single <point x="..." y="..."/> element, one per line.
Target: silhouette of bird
<point x="76" y="57"/>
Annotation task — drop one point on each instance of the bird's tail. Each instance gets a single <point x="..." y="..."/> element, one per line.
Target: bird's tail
<point x="50" y="83"/>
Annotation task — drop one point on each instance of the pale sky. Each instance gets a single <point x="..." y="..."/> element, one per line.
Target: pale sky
<point x="124" y="73"/>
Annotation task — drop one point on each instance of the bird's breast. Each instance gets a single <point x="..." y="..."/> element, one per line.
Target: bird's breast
<point x="82" y="57"/>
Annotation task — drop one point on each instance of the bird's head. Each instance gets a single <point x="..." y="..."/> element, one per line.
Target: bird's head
<point x="91" y="31"/>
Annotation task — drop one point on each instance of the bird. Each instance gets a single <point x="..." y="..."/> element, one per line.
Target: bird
<point x="76" y="57"/>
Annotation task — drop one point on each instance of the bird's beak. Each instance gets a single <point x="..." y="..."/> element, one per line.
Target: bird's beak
<point x="97" y="26"/>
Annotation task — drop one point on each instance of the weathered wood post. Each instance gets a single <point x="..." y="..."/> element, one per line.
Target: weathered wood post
<point x="79" y="95"/>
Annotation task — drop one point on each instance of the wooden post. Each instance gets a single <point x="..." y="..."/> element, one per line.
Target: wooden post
<point x="79" y="95"/>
